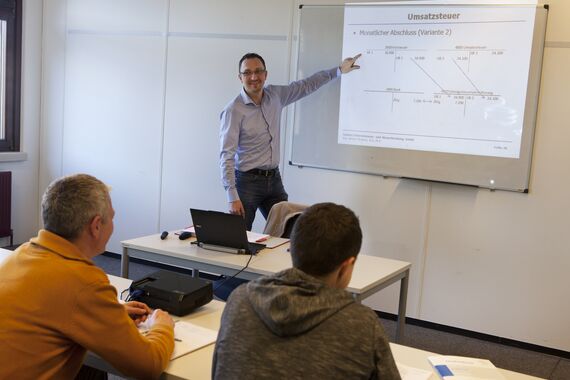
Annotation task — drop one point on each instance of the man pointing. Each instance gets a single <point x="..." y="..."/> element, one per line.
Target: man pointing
<point x="250" y="135"/>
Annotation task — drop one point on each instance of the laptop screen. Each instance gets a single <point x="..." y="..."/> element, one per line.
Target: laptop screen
<point x="219" y="228"/>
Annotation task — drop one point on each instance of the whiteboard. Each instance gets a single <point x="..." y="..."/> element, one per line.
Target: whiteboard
<point x="459" y="88"/>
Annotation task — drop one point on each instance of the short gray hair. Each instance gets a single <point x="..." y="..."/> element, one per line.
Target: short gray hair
<point x="70" y="203"/>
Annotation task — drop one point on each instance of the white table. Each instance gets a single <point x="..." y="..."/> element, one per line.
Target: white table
<point x="370" y="274"/>
<point x="198" y="364"/>
<point x="412" y="357"/>
<point x="195" y="365"/>
<point x="200" y="361"/>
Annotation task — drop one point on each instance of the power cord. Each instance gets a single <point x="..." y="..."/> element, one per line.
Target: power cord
<point x="229" y="278"/>
<point x="133" y="295"/>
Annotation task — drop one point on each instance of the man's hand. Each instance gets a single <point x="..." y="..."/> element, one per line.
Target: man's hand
<point x="161" y="318"/>
<point x="349" y="64"/>
<point x="236" y="207"/>
<point x="138" y="311"/>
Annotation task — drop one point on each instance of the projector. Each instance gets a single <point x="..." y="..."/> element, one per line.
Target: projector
<point x="176" y="293"/>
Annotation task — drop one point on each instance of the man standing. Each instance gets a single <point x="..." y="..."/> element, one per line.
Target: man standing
<point x="301" y="323"/>
<point x="250" y="135"/>
<point x="56" y="303"/>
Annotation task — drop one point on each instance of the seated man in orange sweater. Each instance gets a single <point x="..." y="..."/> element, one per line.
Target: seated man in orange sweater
<point x="56" y="303"/>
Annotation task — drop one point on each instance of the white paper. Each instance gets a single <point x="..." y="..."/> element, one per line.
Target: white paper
<point x="254" y="237"/>
<point x="464" y="367"/>
<point x="188" y="337"/>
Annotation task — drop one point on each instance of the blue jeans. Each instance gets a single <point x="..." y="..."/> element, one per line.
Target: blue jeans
<point x="257" y="191"/>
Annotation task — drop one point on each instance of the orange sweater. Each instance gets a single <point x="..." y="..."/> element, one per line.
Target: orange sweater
<point x="55" y="304"/>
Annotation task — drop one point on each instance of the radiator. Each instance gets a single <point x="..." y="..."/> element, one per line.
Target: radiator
<point x="6" y="206"/>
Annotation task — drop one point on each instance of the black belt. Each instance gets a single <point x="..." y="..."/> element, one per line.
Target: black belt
<point x="264" y="173"/>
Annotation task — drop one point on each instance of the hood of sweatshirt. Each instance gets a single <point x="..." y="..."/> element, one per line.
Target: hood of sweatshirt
<point x="291" y="302"/>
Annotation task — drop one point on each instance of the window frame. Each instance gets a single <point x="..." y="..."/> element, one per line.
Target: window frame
<point x="11" y="12"/>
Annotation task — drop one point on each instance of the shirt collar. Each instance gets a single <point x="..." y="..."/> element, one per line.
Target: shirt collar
<point x="59" y="246"/>
<point x="247" y="100"/>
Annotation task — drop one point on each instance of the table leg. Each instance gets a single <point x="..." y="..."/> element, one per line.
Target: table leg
<point x="402" y="306"/>
<point x="125" y="263"/>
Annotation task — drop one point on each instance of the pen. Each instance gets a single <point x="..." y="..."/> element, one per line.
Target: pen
<point x="177" y="340"/>
<point x="261" y="239"/>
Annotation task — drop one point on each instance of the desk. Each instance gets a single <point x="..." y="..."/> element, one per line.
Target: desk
<point x="370" y="275"/>
<point x="195" y="365"/>
<point x="198" y="364"/>
<point x="413" y="357"/>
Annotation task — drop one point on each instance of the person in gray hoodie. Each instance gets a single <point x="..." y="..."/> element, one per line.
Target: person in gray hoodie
<point x="301" y="323"/>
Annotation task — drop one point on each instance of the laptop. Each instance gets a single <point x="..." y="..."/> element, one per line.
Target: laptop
<point x="222" y="232"/>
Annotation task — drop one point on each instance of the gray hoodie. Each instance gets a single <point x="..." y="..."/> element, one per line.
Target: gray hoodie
<point x="293" y="326"/>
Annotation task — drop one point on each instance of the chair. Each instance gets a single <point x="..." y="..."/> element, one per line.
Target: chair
<point x="6" y="206"/>
<point x="289" y="224"/>
<point x="282" y="217"/>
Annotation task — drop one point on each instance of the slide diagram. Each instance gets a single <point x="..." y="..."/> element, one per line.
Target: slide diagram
<point x="437" y="79"/>
<point x="444" y="76"/>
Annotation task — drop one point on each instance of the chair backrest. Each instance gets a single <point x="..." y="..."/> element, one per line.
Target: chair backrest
<point x="6" y="205"/>
<point x="289" y="224"/>
<point x="282" y="217"/>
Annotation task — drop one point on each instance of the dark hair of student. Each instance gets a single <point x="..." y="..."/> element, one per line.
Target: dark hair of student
<point x="251" y="56"/>
<point x="325" y="235"/>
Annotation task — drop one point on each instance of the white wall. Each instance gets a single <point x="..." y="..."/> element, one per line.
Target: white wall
<point x="25" y="173"/>
<point x="136" y="89"/>
<point x="206" y="41"/>
<point x="132" y="92"/>
<point x="113" y="104"/>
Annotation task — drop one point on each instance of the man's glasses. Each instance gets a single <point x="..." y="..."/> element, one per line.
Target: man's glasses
<point x="257" y="72"/>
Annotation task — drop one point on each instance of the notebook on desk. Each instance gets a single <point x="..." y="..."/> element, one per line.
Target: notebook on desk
<point x="222" y="232"/>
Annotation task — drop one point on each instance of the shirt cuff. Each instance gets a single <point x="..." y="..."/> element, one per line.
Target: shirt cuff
<point x="338" y="72"/>
<point x="232" y="195"/>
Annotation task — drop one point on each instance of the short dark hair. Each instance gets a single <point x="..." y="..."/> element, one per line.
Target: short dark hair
<point x="251" y="56"/>
<point x="325" y="235"/>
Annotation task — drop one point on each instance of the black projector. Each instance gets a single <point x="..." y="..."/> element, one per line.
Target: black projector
<point x="176" y="293"/>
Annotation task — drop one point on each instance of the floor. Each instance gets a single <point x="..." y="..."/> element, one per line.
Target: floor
<point x="512" y="358"/>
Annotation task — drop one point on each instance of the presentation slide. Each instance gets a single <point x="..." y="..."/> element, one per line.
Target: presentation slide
<point x="435" y="78"/>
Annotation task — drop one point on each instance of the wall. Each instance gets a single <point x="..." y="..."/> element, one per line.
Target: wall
<point x="132" y="92"/>
<point x="25" y="204"/>
<point x="135" y="90"/>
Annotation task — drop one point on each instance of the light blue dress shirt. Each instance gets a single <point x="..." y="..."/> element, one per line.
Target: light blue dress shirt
<point x="250" y="133"/>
